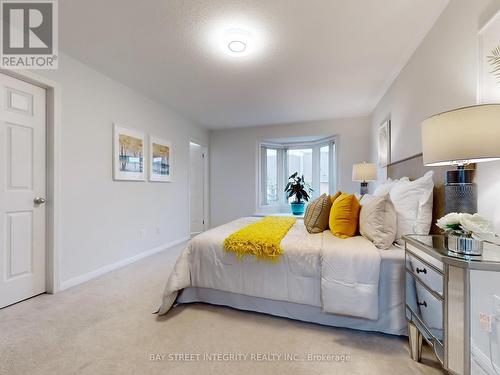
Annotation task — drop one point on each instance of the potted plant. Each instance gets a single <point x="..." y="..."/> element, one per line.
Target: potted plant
<point x="300" y="189"/>
<point x="461" y="231"/>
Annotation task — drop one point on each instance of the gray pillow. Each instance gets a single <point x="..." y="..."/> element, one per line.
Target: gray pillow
<point x="317" y="214"/>
<point x="378" y="220"/>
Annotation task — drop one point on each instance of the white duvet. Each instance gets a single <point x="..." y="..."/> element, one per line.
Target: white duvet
<point x="348" y="270"/>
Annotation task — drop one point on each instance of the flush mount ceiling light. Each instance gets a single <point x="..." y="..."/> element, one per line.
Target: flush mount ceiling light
<point x="237" y="46"/>
<point x="236" y="39"/>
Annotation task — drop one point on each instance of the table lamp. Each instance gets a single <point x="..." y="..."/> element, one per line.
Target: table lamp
<point x="363" y="173"/>
<point x="461" y="137"/>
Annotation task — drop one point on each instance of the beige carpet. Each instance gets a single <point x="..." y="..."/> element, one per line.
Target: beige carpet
<point x="106" y="327"/>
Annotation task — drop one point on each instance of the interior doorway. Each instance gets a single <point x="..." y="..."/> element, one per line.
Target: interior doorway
<point x="198" y="188"/>
<point x="23" y="184"/>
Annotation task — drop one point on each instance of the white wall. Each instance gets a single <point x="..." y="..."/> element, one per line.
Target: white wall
<point x="102" y="218"/>
<point x="441" y="75"/>
<point x="233" y="160"/>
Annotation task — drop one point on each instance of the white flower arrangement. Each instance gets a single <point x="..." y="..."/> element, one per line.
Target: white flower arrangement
<point x="461" y="224"/>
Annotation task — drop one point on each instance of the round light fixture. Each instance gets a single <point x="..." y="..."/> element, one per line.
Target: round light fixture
<point x="237" y="46"/>
<point x="236" y="38"/>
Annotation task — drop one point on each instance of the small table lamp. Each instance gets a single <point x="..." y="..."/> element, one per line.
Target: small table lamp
<point x="461" y="137"/>
<point x="364" y="172"/>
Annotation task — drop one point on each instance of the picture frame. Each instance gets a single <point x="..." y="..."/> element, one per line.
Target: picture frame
<point x="384" y="144"/>
<point x="128" y="154"/>
<point x="160" y="159"/>
<point x="488" y="85"/>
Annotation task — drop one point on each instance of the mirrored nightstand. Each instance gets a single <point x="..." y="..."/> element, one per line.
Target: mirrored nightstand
<point x="439" y="295"/>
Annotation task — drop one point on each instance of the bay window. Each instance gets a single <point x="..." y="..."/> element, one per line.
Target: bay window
<point x="315" y="160"/>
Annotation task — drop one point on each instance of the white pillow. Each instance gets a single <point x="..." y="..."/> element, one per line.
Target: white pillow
<point x="386" y="187"/>
<point x="378" y="220"/>
<point x="413" y="203"/>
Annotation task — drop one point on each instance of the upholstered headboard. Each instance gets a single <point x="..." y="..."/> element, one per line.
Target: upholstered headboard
<point x="413" y="167"/>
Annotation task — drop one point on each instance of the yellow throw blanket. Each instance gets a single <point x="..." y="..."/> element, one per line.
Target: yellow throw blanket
<point x="261" y="238"/>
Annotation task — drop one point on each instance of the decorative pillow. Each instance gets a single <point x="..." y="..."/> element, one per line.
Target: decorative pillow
<point x="378" y="220"/>
<point x="386" y="187"/>
<point x="413" y="203"/>
<point x="317" y="214"/>
<point x="335" y="196"/>
<point x="344" y="216"/>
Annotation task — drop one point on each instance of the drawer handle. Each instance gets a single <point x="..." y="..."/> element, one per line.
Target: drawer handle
<point x="422" y="304"/>
<point x="423" y="270"/>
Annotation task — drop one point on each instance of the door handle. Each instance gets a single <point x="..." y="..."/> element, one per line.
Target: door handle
<point x="39" y="200"/>
<point x="422" y="304"/>
<point x="423" y="270"/>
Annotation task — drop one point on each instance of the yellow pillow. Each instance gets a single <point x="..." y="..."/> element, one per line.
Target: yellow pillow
<point x="335" y="196"/>
<point x="344" y="216"/>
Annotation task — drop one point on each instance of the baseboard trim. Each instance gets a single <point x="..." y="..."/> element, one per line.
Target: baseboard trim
<point x="114" y="266"/>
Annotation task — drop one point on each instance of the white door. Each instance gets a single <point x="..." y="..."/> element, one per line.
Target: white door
<point x="196" y="188"/>
<point x="22" y="190"/>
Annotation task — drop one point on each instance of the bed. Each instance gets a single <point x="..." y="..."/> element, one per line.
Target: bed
<point x="288" y="288"/>
<point x="319" y="278"/>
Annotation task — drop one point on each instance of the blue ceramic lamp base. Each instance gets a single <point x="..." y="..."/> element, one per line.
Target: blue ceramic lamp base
<point x="363" y="188"/>
<point x="460" y="191"/>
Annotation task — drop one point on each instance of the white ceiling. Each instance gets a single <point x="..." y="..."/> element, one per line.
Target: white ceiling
<point x="319" y="59"/>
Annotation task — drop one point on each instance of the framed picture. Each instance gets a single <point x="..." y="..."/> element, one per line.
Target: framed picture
<point x="128" y="154"/>
<point x="488" y="88"/>
<point x="160" y="160"/>
<point x="384" y="144"/>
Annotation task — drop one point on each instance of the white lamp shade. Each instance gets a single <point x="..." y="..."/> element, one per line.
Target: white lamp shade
<point x="364" y="172"/>
<point x="461" y="136"/>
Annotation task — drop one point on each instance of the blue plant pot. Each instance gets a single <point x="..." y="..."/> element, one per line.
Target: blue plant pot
<point x="297" y="208"/>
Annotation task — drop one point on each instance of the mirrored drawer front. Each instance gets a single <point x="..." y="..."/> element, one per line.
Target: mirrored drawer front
<point x="425" y="273"/>
<point x="425" y="306"/>
<point x="426" y="257"/>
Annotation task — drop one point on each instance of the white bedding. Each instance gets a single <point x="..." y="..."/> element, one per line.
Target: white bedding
<point x="350" y="270"/>
<point x="347" y="270"/>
